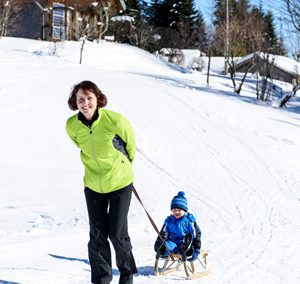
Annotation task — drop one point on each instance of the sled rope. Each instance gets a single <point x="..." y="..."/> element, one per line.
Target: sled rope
<point x="152" y="223"/>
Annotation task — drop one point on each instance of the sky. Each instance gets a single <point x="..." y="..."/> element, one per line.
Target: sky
<point x="281" y="20"/>
<point x="282" y="25"/>
<point x="236" y="159"/>
<point x="274" y="5"/>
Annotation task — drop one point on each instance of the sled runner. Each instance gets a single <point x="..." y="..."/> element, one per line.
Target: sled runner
<point x="193" y="269"/>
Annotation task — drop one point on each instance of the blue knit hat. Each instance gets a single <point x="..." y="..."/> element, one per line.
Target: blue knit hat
<point x="179" y="201"/>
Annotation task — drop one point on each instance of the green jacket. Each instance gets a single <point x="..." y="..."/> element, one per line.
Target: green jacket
<point x="106" y="168"/>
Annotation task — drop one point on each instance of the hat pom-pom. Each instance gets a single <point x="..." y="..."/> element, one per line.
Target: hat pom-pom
<point x="181" y="193"/>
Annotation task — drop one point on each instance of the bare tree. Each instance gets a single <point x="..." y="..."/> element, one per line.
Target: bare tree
<point x="240" y="36"/>
<point x="93" y="22"/>
<point x="290" y="95"/>
<point x="103" y="12"/>
<point x="7" y="7"/>
<point x="5" y="10"/>
<point x="146" y="37"/>
<point x="293" y="9"/>
<point x="86" y="29"/>
<point x="173" y="55"/>
<point x="176" y="56"/>
<point x="296" y="88"/>
<point x="265" y="84"/>
<point x="91" y="18"/>
<point x="232" y="71"/>
<point x="294" y="45"/>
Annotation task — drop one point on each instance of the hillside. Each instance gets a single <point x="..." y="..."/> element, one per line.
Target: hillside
<point x="237" y="161"/>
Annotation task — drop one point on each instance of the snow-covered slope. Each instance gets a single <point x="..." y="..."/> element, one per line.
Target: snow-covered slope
<point x="237" y="161"/>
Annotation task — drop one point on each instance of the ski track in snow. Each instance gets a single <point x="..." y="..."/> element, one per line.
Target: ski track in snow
<point x="263" y="227"/>
<point x="241" y="195"/>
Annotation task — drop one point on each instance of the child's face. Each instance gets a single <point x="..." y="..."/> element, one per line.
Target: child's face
<point x="177" y="213"/>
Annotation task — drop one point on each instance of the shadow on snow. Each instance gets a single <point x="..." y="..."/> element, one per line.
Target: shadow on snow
<point x="69" y="258"/>
<point x="142" y="271"/>
<point x="145" y="271"/>
<point x="190" y="84"/>
<point x="85" y="261"/>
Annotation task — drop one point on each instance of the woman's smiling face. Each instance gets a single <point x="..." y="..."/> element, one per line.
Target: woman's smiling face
<point x="86" y="103"/>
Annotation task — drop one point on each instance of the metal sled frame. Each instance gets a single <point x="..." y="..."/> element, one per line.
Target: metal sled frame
<point x="170" y="266"/>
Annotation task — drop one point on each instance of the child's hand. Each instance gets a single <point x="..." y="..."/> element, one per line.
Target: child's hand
<point x="164" y="235"/>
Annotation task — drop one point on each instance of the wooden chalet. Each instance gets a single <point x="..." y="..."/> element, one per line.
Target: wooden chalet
<point x="59" y="19"/>
<point x="280" y="67"/>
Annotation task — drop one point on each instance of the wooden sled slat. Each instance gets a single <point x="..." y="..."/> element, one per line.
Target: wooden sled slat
<point x="189" y="267"/>
<point x="199" y="275"/>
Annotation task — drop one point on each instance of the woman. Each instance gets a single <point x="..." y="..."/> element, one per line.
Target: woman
<point x="107" y="145"/>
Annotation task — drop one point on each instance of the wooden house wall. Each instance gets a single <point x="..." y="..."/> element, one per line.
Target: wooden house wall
<point x="278" y="74"/>
<point x="29" y="22"/>
<point x="80" y="8"/>
<point x="83" y="4"/>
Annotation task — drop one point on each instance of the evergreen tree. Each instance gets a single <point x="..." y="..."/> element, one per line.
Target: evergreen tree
<point x="273" y="44"/>
<point x="152" y="12"/>
<point x="180" y="16"/>
<point x="199" y="36"/>
<point x="187" y="22"/>
<point x="159" y="13"/>
<point x="134" y="10"/>
<point x="271" y="37"/>
<point x="220" y="11"/>
<point x="181" y="13"/>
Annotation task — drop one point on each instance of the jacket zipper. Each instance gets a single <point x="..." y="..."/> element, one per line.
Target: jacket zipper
<point x="94" y="156"/>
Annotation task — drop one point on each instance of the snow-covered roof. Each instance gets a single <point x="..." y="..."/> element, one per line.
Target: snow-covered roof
<point x="287" y="64"/>
<point x="122" y="19"/>
<point x="186" y="52"/>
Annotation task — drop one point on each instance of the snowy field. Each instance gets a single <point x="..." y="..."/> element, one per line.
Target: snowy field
<point x="237" y="161"/>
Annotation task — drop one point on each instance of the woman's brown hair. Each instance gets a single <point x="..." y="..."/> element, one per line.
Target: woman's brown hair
<point x="86" y="86"/>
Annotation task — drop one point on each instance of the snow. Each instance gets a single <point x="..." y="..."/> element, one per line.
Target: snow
<point x="122" y="19"/>
<point x="283" y="62"/>
<point x="237" y="161"/>
<point x="190" y="56"/>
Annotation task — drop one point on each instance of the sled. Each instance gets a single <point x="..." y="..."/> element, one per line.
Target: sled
<point x="190" y="269"/>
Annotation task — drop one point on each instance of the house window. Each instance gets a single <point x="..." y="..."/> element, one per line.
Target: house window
<point x="58" y="21"/>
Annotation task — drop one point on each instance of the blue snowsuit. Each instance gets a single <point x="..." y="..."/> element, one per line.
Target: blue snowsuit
<point x="176" y="229"/>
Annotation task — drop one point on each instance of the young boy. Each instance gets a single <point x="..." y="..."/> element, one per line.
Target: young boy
<point x="180" y="231"/>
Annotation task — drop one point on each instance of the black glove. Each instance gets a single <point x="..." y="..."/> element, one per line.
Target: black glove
<point x="164" y="235"/>
<point x="159" y="245"/>
<point x="187" y="242"/>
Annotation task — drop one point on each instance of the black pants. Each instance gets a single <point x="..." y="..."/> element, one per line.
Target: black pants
<point x="108" y="218"/>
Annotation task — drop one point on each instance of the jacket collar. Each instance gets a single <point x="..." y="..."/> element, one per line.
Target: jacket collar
<point x="86" y="122"/>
